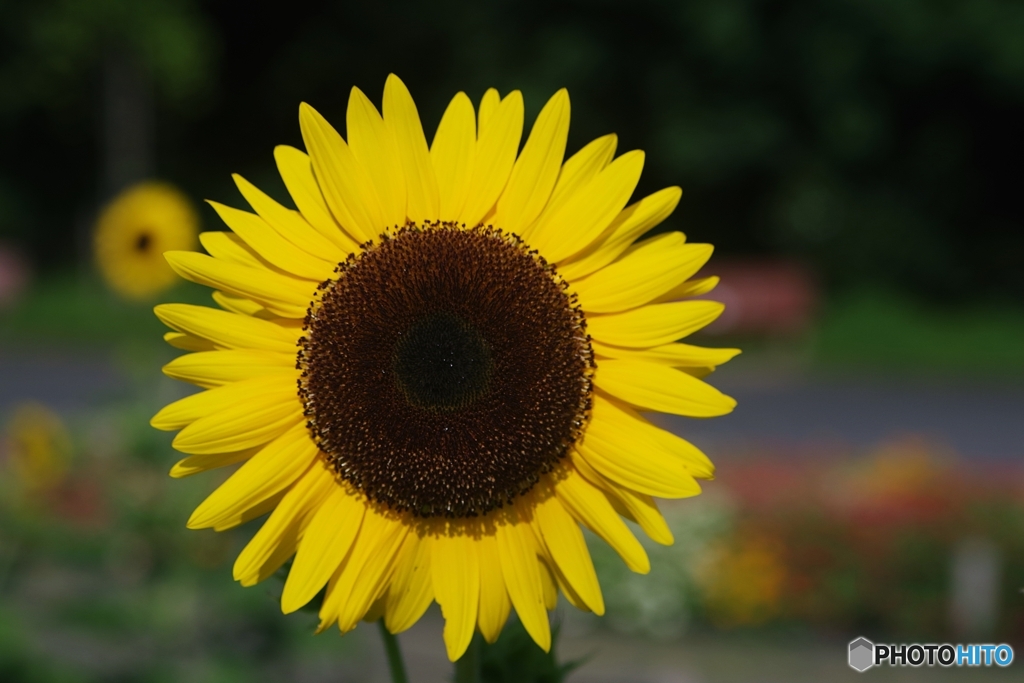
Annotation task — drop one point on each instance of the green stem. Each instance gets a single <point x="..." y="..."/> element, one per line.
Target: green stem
<point x="467" y="669"/>
<point x="395" y="662"/>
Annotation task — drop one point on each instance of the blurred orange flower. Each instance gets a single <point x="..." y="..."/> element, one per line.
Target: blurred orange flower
<point x="743" y="581"/>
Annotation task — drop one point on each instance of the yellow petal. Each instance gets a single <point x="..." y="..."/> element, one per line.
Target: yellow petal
<point x="689" y="288"/>
<point x="281" y="294"/>
<point x="346" y="186"/>
<point x="216" y="368"/>
<point x="568" y="591"/>
<point x="367" y="570"/>
<point x="187" y="342"/>
<point x="452" y="154"/>
<point x="699" y="373"/>
<point x="643" y="509"/>
<point x="638" y="507"/>
<point x="489" y="104"/>
<point x="620" y="445"/>
<point x="494" y="601"/>
<point x="675" y="355"/>
<point x="548" y="568"/>
<point x="324" y="545"/>
<point x="228" y="330"/>
<point x="589" y="505"/>
<point x="240" y="305"/>
<point x="587" y="214"/>
<point x="521" y="569"/>
<point x="255" y="391"/>
<point x="272" y="470"/>
<point x="365" y="574"/>
<point x="242" y="425"/>
<point x="646" y="271"/>
<point x="536" y="170"/>
<point x="257" y="508"/>
<point x="194" y="464"/>
<point x="579" y="170"/>
<point x="495" y="153"/>
<point x="276" y="540"/>
<point x="297" y="173"/>
<point x="549" y="585"/>
<point x="374" y="147"/>
<point x="331" y="605"/>
<point x="289" y="224"/>
<point x="403" y="121"/>
<point x="653" y="325"/>
<point x="455" y="573"/>
<point x="657" y="387"/>
<point x="412" y="587"/>
<point x="568" y="549"/>
<point x="376" y="610"/>
<point x="270" y="245"/>
<point x="626" y="228"/>
<point x="227" y="246"/>
<point x="695" y="462"/>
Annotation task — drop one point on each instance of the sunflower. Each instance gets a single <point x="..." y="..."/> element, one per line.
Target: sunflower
<point x="133" y="232"/>
<point x="38" y="447"/>
<point x="433" y="369"/>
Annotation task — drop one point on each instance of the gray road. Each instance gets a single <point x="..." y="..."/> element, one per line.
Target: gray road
<point x="66" y="382"/>
<point x="974" y="419"/>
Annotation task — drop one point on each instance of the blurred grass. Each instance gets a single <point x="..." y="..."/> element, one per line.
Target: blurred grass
<point x="884" y="330"/>
<point x="75" y="310"/>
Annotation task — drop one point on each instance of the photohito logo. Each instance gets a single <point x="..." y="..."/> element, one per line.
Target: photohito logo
<point x="864" y="654"/>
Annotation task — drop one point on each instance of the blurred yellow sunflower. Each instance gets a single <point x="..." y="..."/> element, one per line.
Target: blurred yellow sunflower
<point x="38" y="447"/>
<point x="433" y="369"/>
<point x="133" y="232"/>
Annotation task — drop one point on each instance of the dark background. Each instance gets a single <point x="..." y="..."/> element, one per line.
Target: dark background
<point x="877" y="140"/>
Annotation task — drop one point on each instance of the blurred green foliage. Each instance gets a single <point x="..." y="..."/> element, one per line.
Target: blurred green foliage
<point x="65" y="308"/>
<point x="515" y="658"/>
<point x="875" y="139"/>
<point x="51" y="48"/>
<point x="870" y="328"/>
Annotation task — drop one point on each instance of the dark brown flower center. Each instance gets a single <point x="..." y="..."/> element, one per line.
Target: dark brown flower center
<point x="445" y="370"/>
<point x="143" y="242"/>
<point x="442" y="362"/>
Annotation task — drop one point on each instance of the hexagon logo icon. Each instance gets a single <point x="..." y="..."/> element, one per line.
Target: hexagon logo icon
<point x="862" y="654"/>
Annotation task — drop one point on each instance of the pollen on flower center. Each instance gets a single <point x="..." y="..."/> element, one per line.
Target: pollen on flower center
<point x="444" y="370"/>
